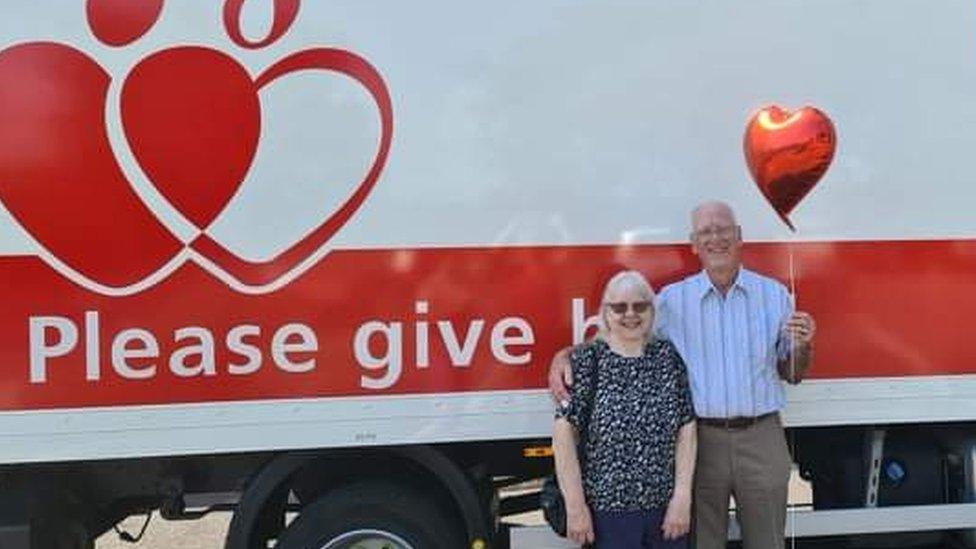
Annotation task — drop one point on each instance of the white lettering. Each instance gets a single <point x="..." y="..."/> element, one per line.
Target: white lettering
<point x="280" y="347"/>
<point x="93" y="368"/>
<point x="582" y="324"/>
<point x="422" y="336"/>
<point x="204" y="348"/>
<point x="499" y="340"/>
<point x="122" y="352"/>
<point x="391" y="362"/>
<point x="135" y="352"/>
<point x="236" y="344"/>
<point x="40" y="351"/>
<point x="460" y="355"/>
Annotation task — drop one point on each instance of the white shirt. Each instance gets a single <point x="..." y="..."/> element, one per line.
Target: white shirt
<point x="730" y="344"/>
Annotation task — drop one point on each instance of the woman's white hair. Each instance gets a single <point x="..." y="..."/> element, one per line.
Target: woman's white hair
<point x="621" y="282"/>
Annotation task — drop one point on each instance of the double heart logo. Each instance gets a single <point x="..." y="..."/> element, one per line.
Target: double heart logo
<point x="192" y="119"/>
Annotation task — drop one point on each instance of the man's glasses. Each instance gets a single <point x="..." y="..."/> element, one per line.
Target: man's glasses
<point x="639" y="307"/>
<point x="715" y="231"/>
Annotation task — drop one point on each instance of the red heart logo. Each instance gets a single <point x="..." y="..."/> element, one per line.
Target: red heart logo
<point x="191" y="116"/>
<point x="58" y="175"/>
<point x="192" y="119"/>
<point x="120" y="22"/>
<point x="788" y="153"/>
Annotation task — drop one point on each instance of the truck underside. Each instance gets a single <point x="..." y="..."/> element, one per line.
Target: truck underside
<point x="865" y="480"/>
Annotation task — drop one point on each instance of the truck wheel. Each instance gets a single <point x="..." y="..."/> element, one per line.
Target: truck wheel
<point x="372" y="515"/>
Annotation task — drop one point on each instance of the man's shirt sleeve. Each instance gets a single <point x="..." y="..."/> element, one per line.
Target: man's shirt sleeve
<point x="583" y="361"/>
<point x="663" y="314"/>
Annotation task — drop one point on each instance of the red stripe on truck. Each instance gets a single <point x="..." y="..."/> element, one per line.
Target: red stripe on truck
<point x="372" y="322"/>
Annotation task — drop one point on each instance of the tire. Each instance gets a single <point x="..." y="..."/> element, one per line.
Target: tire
<point x="387" y="515"/>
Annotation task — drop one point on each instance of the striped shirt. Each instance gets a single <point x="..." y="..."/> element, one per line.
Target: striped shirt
<point x="730" y="344"/>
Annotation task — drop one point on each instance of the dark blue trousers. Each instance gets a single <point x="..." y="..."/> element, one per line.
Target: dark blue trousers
<point x="633" y="530"/>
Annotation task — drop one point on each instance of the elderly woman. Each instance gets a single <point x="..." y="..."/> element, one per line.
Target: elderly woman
<point x="631" y="403"/>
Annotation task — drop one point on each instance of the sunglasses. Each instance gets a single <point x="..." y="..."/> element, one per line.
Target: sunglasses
<point x="639" y="307"/>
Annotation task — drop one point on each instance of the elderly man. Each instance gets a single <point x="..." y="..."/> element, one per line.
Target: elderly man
<point x="738" y="336"/>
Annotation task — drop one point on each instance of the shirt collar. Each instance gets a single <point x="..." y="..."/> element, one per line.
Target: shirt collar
<point x="744" y="280"/>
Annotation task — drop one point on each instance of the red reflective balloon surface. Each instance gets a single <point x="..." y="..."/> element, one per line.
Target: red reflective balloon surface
<point x="788" y="153"/>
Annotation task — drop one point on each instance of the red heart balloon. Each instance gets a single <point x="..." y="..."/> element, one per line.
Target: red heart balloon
<point x="192" y="118"/>
<point x="788" y="153"/>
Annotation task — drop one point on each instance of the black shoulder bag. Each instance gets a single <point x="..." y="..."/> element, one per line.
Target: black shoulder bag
<point x="551" y="497"/>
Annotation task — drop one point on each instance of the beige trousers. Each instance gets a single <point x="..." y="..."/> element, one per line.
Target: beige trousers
<point x="752" y="464"/>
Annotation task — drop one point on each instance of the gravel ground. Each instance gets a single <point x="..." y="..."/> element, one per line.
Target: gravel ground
<point x="209" y="532"/>
<point x="206" y="533"/>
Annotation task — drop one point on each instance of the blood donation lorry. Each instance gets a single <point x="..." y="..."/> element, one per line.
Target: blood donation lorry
<point x="309" y="261"/>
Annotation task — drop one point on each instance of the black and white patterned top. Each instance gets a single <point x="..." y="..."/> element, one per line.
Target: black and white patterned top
<point x="639" y="405"/>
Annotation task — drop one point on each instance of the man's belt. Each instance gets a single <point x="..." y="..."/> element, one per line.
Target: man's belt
<point x="740" y="422"/>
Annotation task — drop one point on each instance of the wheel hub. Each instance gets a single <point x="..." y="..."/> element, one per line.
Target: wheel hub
<point x="367" y="539"/>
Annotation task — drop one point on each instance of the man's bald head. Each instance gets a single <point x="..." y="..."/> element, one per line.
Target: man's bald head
<point x="716" y="239"/>
<point x="712" y="209"/>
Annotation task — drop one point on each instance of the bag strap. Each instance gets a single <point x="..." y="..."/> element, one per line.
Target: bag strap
<point x="584" y="434"/>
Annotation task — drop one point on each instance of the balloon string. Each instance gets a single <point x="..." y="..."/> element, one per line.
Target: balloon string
<point x="792" y="278"/>
<point x="792" y="508"/>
